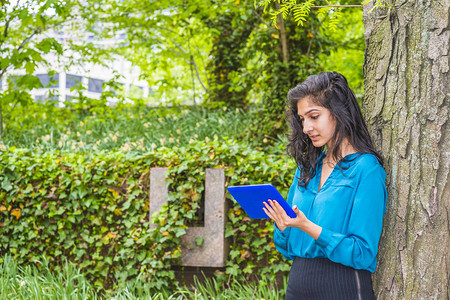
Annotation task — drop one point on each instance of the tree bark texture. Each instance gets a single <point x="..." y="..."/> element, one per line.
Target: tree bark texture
<point x="406" y="105"/>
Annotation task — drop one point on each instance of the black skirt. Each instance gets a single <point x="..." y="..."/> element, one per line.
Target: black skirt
<point x="320" y="278"/>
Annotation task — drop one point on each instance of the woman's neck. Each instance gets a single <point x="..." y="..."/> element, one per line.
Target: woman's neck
<point x="345" y="149"/>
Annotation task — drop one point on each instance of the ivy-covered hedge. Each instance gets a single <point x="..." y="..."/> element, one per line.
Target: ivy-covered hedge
<point x="92" y="209"/>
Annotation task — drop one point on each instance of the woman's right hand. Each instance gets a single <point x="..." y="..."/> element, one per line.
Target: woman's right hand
<point x="282" y="220"/>
<point x="276" y="214"/>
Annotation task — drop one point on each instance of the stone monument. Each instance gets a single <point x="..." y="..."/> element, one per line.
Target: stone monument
<point x="212" y="253"/>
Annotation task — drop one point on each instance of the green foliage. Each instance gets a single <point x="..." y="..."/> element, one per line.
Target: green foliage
<point x="227" y="68"/>
<point x="92" y="209"/>
<point x="36" y="280"/>
<point x="301" y="11"/>
<point x="97" y="126"/>
<point x="223" y="55"/>
<point x="379" y="3"/>
<point x="345" y="53"/>
<point x="214" y="289"/>
<point x="168" y="40"/>
<point x="249" y="64"/>
<point x="314" y="48"/>
<point x="21" y="22"/>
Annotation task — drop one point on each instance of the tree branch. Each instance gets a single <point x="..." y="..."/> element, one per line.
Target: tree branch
<point x="190" y="62"/>
<point x="198" y="76"/>
<point x="339" y="45"/>
<point x="261" y="19"/>
<point x="24" y="42"/>
<point x="5" y="33"/>
<point x="193" y="63"/>
<point x="28" y="38"/>
<point x="203" y="65"/>
<point x="316" y="29"/>
<point x="341" y="6"/>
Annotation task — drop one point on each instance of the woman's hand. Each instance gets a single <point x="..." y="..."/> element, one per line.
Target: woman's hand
<point x="282" y="220"/>
<point x="277" y="213"/>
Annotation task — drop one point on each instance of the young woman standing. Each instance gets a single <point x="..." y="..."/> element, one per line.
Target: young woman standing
<point x="338" y="193"/>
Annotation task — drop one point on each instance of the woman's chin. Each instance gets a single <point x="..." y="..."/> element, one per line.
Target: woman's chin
<point x="317" y="143"/>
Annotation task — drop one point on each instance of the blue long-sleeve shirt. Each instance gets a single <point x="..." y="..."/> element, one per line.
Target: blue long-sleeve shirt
<point x="349" y="207"/>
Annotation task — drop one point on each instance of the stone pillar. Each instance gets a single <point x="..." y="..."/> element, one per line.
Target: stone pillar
<point x="158" y="191"/>
<point x="214" y="249"/>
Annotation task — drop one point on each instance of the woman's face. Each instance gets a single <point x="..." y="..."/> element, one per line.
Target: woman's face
<point x="317" y="121"/>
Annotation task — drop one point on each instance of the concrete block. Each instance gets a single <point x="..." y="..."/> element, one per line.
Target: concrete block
<point x="158" y="191"/>
<point x="213" y="252"/>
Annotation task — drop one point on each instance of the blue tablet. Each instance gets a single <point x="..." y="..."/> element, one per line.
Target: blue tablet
<point x="251" y="198"/>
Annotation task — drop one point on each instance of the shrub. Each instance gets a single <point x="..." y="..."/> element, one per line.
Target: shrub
<point x="124" y="127"/>
<point x="92" y="209"/>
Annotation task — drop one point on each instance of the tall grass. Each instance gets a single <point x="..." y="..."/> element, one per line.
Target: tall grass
<point x="213" y="289"/>
<point x="209" y="288"/>
<point x="38" y="281"/>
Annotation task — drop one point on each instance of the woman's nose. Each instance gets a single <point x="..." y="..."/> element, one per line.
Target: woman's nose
<point x="306" y="127"/>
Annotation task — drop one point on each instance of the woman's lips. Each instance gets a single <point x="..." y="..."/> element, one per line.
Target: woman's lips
<point x="314" y="137"/>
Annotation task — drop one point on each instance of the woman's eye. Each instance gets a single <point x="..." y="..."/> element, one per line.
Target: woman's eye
<point x="315" y="117"/>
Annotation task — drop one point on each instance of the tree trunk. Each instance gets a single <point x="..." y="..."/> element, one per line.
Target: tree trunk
<point x="406" y="105"/>
<point x="284" y="45"/>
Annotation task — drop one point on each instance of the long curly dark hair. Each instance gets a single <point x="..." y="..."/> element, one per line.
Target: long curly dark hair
<point x="329" y="90"/>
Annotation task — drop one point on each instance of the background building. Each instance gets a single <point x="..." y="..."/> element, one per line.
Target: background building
<point x="62" y="79"/>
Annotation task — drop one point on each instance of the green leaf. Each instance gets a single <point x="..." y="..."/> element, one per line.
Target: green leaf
<point x="199" y="241"/>
<point x="30" y="67"/>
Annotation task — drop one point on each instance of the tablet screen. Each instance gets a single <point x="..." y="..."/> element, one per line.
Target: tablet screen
<point x="251" y="198"/>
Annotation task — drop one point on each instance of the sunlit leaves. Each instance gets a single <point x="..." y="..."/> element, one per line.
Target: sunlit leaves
<point x="300" y="12"/>
<point x="379" y="3"/>
<point x="334" y="18"/>
<point x="168" y="40"/>
<point x="23" y="47"/>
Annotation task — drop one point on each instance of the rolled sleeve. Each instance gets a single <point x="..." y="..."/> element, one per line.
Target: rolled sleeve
<point x="281" y="239"/>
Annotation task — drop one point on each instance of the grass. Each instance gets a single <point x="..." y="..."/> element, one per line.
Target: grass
<point x="38" y="281"/>
<point x="137" y="128"/>
<point x="212" y="289"/>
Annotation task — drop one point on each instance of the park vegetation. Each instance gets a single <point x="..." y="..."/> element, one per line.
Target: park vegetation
<point x="74" y="178"/>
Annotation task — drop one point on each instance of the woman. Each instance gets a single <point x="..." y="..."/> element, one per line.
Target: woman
<point x="338" y="194"/>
